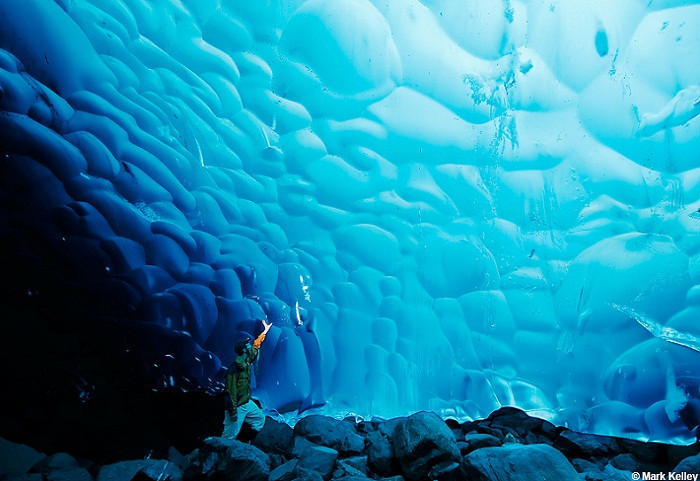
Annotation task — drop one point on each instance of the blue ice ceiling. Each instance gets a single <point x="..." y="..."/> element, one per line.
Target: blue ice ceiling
<point x="441" y="205"/>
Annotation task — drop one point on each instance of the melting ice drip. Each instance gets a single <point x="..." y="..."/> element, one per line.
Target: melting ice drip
<point x="440" y="207"/>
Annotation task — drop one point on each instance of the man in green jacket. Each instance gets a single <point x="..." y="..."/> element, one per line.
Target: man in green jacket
<point x="239" y="405"/>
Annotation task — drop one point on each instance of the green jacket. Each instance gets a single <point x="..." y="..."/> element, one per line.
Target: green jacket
<point x="238" y="379"/>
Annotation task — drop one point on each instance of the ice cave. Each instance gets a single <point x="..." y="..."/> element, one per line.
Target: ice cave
<point x="441" y="205"/>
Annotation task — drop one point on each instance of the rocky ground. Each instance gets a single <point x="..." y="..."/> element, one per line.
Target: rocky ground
<point x="508" y="445"/>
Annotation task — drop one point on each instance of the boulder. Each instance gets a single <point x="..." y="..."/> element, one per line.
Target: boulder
<point x="276" y="460"/>
<point x="332" y="433"/>
<point x="469" y="427"/>
<point x="497" y="433"/>
<point x="387" y="427"/>
<point x="61" y="467"/>
<point x="356" y="466"/>
<point x="356" y="462"/>
<point x="275" y="437"/>
<point x="23" y="477"/>
<point x="549" y="430"/>
<point x="644" y="451"/>
<point x="71" y="474"/>
<point x="447" y="471"/>
<point x="515" y="421"/>
<point x="676" y="453"/>
<point x="422" y="441"/>
<point x="609" y="474"/>
<point x="585" y="446"/>
<point x="301" y="445"/>
<point x="689" y="465"/>
<point x="318" y="458"/>
<point x="177" y="458"/>
<point x="306" y="475"/>
<point x="626" y="462"/>
<point x="55" y="462"/>
<point x="284" y="472"/>
<point x="516" y="462"/>
<point x="474" y="441"/>
<point x="380" y="454"/>
<point x="220" y="458"/>
<point x="582" y="465"/>
<point x="365" y="427"/>
<point x="127" y="470"/>
<point x="17" y="458"/>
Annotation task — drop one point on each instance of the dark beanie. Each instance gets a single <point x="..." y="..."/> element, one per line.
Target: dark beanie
<point x="240" y="345"/>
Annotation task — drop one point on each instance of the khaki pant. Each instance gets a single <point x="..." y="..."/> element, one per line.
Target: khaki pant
<point x="248" y="412"/>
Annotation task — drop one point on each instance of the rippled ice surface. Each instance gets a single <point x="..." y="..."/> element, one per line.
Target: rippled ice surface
<point x="441" y="205"/>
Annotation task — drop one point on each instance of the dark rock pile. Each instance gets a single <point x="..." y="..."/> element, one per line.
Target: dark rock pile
<point x="508" y="445"/>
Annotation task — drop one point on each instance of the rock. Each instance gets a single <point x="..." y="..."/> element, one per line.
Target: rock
<point x="320" y="459"/>
<point x="495" y="432"/>
<point x="332" y="433"/>
<point x="220" y="458"/>
<point x="387" y="427"/>
<point x="677" y="453"/>
<point x="514" y="421"/>
<point x="176" y="457"/>
<point x="276" y="460"/>
<point x="72" y="474"/>
<point x="356" y="466"/>
<point x="549" y="430"/>
<point x="689" y="465"/>
<point x="17" y="458"/>
<point x="447" y="471"/>
<point x="380" y="454"/>
<point x="301" y="445"/>
<point x="127" y="470"/>
<point x="23" y="477"/>
<point x="582" y="465"/>
<point x="516" y="462"/>
<point x="283" y="472"/>
<point x="609" y="474"/>
<point x="535" y="438"/>
<point x="357" y="462"/>
<point x="275" y="437"/>
<point x="365" y="427"/>
<point x="506" y="411"/>
<point x="458" y="434"/>
<point x="54" y="462"/>
<point x="452" y="424"/>
<point x="345" y="472"/>
<point x="626" y="462"/>
<point x="585" y="446"/>
<point x="190" y="458"/>
<point x="422" y="441"/>
<point x="306" y="475"/>
<point x="644" y="451"/>
<point x="473" y="441"/>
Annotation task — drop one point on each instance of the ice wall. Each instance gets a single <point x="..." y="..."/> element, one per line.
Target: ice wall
<point x="439" y="205"/>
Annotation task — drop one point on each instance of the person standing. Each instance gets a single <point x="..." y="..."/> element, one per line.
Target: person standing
<point x="240" y="407"/>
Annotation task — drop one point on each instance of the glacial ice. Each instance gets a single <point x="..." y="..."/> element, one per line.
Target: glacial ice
<point x="439" y="206"/>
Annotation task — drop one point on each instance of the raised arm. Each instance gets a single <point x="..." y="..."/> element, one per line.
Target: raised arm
<point x="259" y="340"/>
